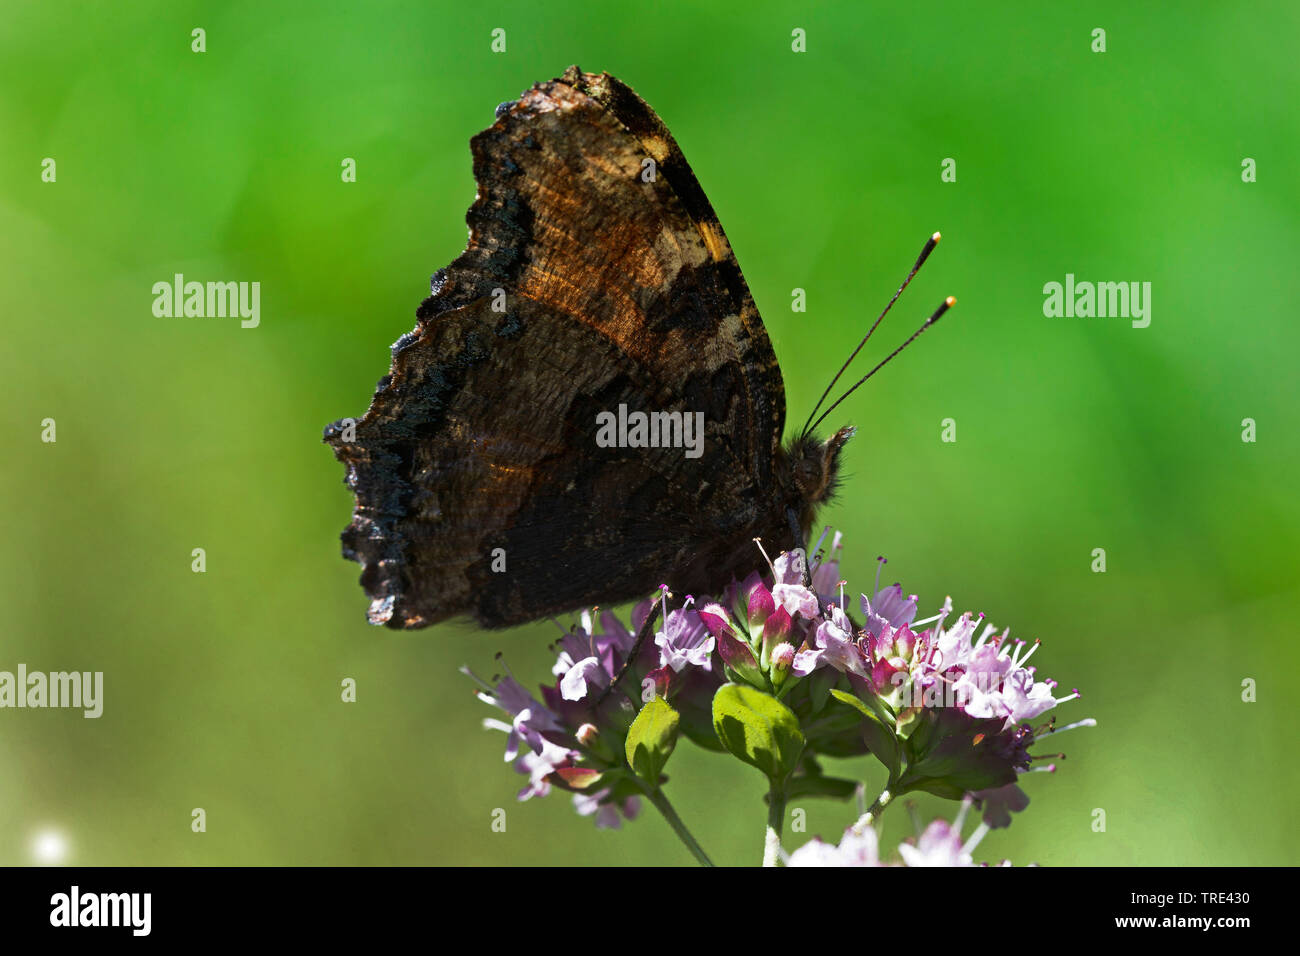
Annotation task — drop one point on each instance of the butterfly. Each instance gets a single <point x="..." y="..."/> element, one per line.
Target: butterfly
<point x="597" y="287"/>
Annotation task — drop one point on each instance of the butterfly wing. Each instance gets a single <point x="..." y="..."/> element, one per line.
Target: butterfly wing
<point x="596" y="275"/>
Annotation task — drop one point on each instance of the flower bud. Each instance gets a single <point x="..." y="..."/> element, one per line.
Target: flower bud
<point x="600" y="745"/>
<point x="777" y="630"/>
<point x="656" y="684"/>
<point x="760" y="605"/>
<point x="717" y="621"/>
<point x="739" y="660"/>
<point x="782" y="661"/>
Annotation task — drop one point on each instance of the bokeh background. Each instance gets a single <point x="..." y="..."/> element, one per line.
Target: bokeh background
<point x="223" y="688"/>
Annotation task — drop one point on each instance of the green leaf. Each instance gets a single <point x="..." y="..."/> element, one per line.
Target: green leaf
<point x="951" y="752"/>
<point x="759" y="729"/>
<point x="651" y="739"/>
<point x="835" y="732"/>
<point x="940" y="788"/>
<point x="844" y="697"/>
<point x="836" y="788"/>
<point x="820" y="683"/>
<point x="880" y="736"/>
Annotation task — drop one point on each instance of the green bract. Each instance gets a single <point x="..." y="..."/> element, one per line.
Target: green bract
<point x="651" y="739"/>
<point x="758" y="729"/>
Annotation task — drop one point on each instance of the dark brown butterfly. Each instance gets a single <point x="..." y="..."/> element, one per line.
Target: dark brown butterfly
<point x="597" y="281"/>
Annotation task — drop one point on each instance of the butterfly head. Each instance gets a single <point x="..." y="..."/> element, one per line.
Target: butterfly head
<point x="814" y="465"/>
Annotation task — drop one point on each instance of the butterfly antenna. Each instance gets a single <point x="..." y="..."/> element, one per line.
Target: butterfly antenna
<point x="948" y="303"/>
<point x="920" y="261"/>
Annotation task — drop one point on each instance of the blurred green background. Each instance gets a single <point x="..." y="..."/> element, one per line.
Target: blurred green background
<point x="222" y="688"/>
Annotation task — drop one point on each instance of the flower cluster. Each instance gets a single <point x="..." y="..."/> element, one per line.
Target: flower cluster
<point x="777" y="671"/>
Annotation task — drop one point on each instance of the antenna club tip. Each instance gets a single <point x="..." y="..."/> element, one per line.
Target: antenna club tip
<point x="936" y="237"/>
<point x="950" y="301"/>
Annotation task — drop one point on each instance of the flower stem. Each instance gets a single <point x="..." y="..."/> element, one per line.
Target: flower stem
<point x="873" y="812"/>
<point x="775" y="823"/>
<point x="656" y="796"/>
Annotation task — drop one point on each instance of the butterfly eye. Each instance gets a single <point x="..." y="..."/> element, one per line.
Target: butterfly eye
<point x="808" y="475"/>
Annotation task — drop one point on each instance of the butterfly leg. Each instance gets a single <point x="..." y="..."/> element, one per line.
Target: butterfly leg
<point x="642" y="634"/>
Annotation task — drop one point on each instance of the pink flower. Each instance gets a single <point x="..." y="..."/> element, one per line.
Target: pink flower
<point x="889" y="606"/>
<point x="939" y="845"/>
<point x="855" y="849"/>
<point x="895" y="651"/>
<point x="529" y="719"/>
<point x="833" y="646"/>
<point x="685" y="640"/>
<point x="788" y="589"/>
<point x="588" y="661"/>
<point x="540" y="765"/>
<point x="609" y="813"/>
